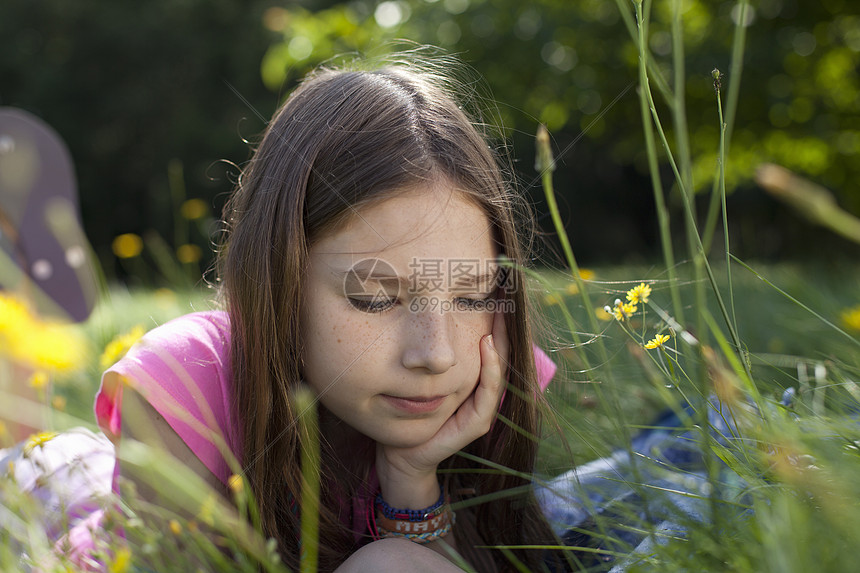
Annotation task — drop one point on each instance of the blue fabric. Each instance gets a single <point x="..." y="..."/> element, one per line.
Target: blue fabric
<point x="626" y="502"/>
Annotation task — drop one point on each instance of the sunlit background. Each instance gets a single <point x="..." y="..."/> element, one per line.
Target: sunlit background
<point x="159" y="100"/>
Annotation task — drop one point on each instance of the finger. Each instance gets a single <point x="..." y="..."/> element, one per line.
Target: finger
<point x="501" y="342"/>
<point x="494" y="350"/>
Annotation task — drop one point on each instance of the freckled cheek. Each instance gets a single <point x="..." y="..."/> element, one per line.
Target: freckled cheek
<point x="355" y="341"/>
<point x="470" y="329"/>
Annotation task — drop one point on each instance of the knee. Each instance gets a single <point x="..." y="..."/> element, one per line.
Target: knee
<point x="397" y="555"/>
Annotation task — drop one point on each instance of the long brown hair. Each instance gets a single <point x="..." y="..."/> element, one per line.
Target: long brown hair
<point x="344" y="139"/>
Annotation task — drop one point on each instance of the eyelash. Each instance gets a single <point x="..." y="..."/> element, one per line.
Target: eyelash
<point x="372" y="305"/>
<point x="476" y="304"/>
<point x="380" y="305"/>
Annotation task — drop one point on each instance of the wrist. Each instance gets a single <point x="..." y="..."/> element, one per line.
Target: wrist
<point x="409" y="492"/>
<point x="389" y="512"/>
<point x="404" y="486"/>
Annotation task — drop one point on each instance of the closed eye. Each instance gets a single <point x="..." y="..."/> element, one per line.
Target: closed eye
<point x="372" y="304"/>
<point x="473" y="304"/>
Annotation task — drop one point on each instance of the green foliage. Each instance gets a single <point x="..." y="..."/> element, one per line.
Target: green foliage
<point x="794" y="456"/>
<point x="781" y="340"/>
<point x="131" y="88"/>
<point x="799" y="90"/>
<point x="799" y="463"/>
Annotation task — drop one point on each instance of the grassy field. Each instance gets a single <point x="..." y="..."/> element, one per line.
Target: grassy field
<point x="796" y="465"/>
<point x="780" y="339"/>
<point x="779" y="336"/>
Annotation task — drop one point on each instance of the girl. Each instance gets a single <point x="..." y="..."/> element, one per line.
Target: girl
<point x="363" y="257"/>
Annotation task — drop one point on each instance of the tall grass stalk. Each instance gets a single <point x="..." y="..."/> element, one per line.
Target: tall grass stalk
<point x="654" y="170"/>
<point x="788" y="433"/>
<point x="736" y="67"/>
<point x="697" y="248"/>
<point x="305" y="404"/>
<point x="679" y="107"/>
<point x="721" y="178"/>
<point x="655" y="72"/>
<point x="852" y="339"/>
<point x="545" y="165"/>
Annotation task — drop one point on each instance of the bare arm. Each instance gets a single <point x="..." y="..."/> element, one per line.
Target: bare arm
<point x="143" y="423"/>
<point x="397" y="555"/>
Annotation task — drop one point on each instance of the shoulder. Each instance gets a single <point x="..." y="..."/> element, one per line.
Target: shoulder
<point x="192" y="351"/>
<point x="199" y="332"/>
<point x="196" y="344"/>
<point x="182" y="369"/>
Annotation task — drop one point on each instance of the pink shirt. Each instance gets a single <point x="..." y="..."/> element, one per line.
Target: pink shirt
<point x="183" y="370"/>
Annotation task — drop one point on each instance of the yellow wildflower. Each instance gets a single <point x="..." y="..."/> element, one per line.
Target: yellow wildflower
<point x="551" y="299"/>
<point x="39" y="380"/>
<point x="193" y="209"/>
<point x="236" y="484"/>
<point x="657" y="342"/>
<point x="639" y="293"/>
<point x="38" y="440"/>
<point x="572" y="288"/>
<point x="603" y="314"/>
<point x="121" y="561"/>
<point x="165" y="298"/>
<point x="54" y="346"/>
<point x="120" y="344"/>
<point x="59" y="403"/>
<point x="851" y="318"/>
<point x="586" y="274"/>
<point x="13" y="312"/>
<point x="621" y="311"/>
<point x="175" y="527"/>
<point x="127" y="245"/>
<point x="38" y="343"/>
<point x="188" y="253"/>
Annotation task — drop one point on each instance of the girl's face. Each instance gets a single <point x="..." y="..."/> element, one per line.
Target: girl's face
<point x="394" y="311"/>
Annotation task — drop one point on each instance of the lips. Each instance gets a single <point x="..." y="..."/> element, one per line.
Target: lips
<point x="415" y="404"/>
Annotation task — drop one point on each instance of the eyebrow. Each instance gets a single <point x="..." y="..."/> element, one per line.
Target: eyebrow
<point x="472" y="280"/>
<point x="368" y="271"/>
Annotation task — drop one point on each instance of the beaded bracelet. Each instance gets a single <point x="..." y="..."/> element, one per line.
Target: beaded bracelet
<point x="418" y="525"/>
<point x="410" y="514"/>
<point x="425" y="537"/>
<point x="432" y="523"/>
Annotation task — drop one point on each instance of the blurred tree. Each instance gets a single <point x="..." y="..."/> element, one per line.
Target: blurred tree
<point x="571" y="65"/>
<point x="132" y="86"/>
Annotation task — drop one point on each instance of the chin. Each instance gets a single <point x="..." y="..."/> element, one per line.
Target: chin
<point x="402" y="443"/>
<point x="405" y="439"/>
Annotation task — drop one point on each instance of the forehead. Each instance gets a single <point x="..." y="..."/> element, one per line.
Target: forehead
<point x="433" y="221"/>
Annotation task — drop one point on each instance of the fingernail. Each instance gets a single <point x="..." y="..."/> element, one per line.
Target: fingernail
<point x="490" y="341"/>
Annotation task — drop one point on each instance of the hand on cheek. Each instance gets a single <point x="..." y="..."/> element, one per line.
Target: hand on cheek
<point x="408" y="475"/>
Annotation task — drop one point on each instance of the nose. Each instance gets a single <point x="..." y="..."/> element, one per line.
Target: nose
<point x="429" y="342"/>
